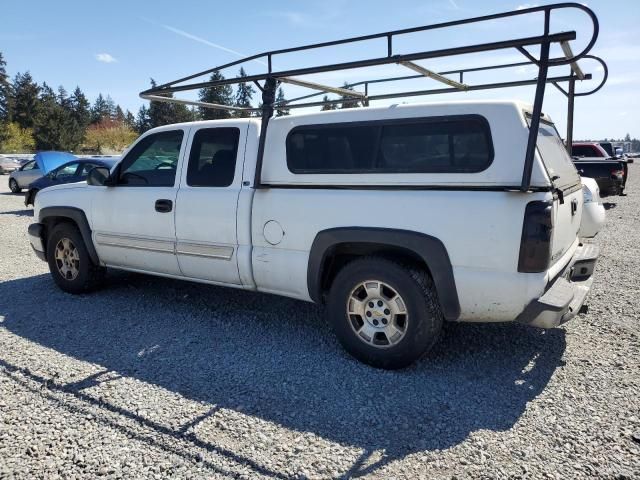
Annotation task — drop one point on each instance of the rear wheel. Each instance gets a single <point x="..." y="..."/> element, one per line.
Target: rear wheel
<point x="13" y="186"/>
<point x="69" y="261"/>
<point x="384" y="313"/>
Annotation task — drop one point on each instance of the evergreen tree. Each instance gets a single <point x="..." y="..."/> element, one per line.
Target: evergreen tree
<point x="110" y="107"/>
<point x="281" y="100"/>
<point x="328" y="106"/>
<point x="221" y="95"/>
<point x="101" y="109"/>
<point x="143" y="120"/>
<point x="25" y="100"/>
<point x="244" y="95"/>
<point x="80" y="109"/>
<point x="347" y="101"/>
<point x="53" y="124"/>
<point x="130" y="120"/>
<point x="119" y="115"/>
<point x="6" y="99"/>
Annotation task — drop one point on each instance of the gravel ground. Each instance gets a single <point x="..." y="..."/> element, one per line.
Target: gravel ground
<point x="154" y="378"/>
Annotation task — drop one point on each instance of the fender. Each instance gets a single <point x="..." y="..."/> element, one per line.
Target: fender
<point x="80" y="219"/>
<point x="429" y="248"/>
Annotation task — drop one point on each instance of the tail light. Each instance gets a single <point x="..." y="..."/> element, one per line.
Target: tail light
<point x="535" y="244"/>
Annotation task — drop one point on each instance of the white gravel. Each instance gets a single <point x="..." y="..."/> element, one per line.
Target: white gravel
<point x="153" y="378"/>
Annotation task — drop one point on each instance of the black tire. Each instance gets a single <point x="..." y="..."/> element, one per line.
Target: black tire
<point x="88" y="275"/>
<point x="13" y="186"/>
<point x="423" y="320"/>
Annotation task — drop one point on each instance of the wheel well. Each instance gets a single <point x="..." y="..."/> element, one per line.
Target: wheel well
<point x="343" y="253"/>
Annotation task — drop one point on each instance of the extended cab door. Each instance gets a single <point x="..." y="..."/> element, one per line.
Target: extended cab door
<point x="206" y="236"/>
<point x="133" y="221"/>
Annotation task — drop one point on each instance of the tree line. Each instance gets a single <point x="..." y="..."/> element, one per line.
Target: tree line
<point x="36" y="117"/>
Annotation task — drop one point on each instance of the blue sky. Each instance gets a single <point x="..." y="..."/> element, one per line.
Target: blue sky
<point x="115" y="47"/>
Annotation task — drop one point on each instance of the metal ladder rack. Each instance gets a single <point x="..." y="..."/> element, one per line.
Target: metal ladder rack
<point x="270" y="78"/>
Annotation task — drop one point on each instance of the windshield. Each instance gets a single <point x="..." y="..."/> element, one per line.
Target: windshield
<point x="554" y="155"/>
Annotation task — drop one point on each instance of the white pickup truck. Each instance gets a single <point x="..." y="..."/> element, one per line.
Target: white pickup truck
<point x="395" y="218"/>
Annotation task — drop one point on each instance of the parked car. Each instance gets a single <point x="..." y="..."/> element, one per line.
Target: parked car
<point x="42" y="163"/>
<point x="22" y="177"/>
<point x="394" y="235"/>
<point x="72" y="172"/>
<point x="8" y="165"/>
<point x="593" y="212"/>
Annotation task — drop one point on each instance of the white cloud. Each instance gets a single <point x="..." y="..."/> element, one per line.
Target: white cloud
<point x="105" y="58"/>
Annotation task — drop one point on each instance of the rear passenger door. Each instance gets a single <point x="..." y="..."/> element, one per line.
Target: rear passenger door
<point x="206" y="237"/>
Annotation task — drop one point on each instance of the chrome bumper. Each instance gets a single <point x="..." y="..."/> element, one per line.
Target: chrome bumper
<point x="35" y="237"/>
<point x="565" y="296"/>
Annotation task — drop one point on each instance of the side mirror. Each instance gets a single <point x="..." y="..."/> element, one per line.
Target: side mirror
<point x="99" y="177"/>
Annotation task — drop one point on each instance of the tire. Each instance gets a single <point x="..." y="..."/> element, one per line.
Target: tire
<point x="13" y="186"/>
<point x="404" y="337"/>
<point x="79" y="274"/>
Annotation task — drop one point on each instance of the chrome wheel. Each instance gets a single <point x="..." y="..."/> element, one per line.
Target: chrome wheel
<point x="67" y="259"/>
<point x="377" y="314"/>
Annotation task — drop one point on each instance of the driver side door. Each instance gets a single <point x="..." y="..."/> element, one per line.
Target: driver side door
<point x="133" y="221"/>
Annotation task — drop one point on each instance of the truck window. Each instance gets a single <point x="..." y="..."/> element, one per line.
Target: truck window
<point x="555" y="157"/>
<point x="212" y="162"/>
<point x="429" y="145"/>
<point x="153" y="161"/>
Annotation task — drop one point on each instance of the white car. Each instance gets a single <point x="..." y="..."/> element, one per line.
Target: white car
<point x="593" y="212"/>
<point x="396" y="218"/>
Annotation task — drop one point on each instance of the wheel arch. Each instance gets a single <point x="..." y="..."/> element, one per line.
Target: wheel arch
<point x="332" y="248"/>
<point x="52" y="216"/>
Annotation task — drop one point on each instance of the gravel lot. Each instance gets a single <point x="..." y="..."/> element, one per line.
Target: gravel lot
<point x="154" y="378"/>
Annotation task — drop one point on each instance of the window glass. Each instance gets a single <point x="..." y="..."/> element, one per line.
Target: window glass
<point x="153" y="161"/>
<point x="212" y="162"/>
<point x="66" y="170"/>
<point x="32" y="165"/>
<point x="411" y="146"/>
<point x="555" y="157"/>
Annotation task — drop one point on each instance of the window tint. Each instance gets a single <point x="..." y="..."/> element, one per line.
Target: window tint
<point x="411" y="146"/>
<point x="85" y="168"/>
<point x="153" y="161"/>
<point x="555" y="157"/>
<point x="212" y="162"/>
<point x="66" y="170"/>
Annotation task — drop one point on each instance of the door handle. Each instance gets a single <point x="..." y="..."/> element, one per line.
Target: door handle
<point x="163" y="205"/>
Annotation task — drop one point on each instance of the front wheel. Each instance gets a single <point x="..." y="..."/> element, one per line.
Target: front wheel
<point x="384" y="313"/>
<point x="69" y="261"/>
<point x="13" y="186"/>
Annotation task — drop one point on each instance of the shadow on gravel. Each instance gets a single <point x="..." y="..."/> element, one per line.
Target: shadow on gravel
<point x="275" y="358"/>
<point x="19" y="213"/>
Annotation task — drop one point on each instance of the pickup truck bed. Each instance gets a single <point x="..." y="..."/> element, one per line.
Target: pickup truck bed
<point x="610" y="174"/>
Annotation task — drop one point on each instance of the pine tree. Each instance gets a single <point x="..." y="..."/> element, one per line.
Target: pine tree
<point x="110" y="107"/>
<point x="244" y="95"/>
<point x="347" y="101"/>
<point x="54" y="126"/>
<point x="281" y="100"/>
<point x="130" y="120"/>
<point x="119" y="115"/>
<point x="80" y="109"/>
<point x="25" y="100"/>
<point x="143" y="120"/>
<point x="221" y="95"/>
<point x="6" y="99"/>
<point x="165" y="113"/>
<point x="328" y="106"/>
<point x="101" y="109"/>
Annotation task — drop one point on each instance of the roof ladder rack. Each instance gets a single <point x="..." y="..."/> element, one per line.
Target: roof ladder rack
<point x="436" y="76"/>
<point x="568" y="53"/>
<point x="322" y="88"/>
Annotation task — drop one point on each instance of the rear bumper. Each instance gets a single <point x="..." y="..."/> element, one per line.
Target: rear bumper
<point x="565" y="296"/>
<point x="36" y="231"/>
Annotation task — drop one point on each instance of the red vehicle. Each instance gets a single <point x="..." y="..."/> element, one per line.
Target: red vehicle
<point x="592" y="160"/>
